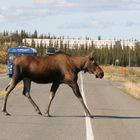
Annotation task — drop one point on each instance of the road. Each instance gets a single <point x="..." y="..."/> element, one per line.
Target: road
<point x="116" y="115"/>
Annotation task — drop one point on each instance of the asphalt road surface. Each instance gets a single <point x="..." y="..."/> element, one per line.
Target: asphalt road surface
<point x="116" y="115"/>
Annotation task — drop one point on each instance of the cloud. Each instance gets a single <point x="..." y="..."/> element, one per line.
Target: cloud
<point x="107" y="5"/>
<point x="40" y="8"/>
<point x="55" y="3"/>
<point x="72" y="6"/>
<point x="88" y="24"/>
<point x="97" y="24"/>
<point x="22" y="13"/>
<point x="44" y="8"/>
<point x="2" y="18"/>
<point x="132" y="23"/>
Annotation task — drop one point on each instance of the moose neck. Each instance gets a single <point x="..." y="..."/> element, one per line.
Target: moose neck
<point x="79" y="63"/>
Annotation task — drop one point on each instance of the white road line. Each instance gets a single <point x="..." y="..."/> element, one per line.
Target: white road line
<point x="89" y="131"/>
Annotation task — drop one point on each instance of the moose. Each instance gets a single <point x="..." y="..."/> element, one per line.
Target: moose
<point x="56" y="69"/>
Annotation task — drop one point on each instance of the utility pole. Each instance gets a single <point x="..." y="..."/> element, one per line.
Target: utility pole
<point x="129" y="59"/>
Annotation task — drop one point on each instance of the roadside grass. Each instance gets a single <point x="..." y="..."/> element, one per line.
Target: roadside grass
<point x="130" y="78"/>
<point x="3" y="68"/>
<point x="133" y="89"/>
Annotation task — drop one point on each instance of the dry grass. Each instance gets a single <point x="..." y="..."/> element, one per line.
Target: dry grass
<point x="121" y="73"/>
<point x="3" y="56"/>
<point x="3" y="68"/>
<point x="130" y="78"/>
<point x="132" y="89"/>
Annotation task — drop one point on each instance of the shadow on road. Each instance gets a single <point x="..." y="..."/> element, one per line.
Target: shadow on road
<point x="114" y="117"/>
<point x="82" y="116"/>
<point x="100" y="116"/>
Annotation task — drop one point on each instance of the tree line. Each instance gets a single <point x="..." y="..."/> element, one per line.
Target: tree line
<point x="114" y="55"/>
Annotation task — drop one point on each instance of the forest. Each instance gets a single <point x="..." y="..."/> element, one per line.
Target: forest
<point x="114" y="55"/>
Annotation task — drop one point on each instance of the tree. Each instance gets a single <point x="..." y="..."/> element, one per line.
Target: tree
<point x="137" y="54"/>
<point x="35" y="35"/>
<point x="33" y="43"/>
<point x="99" y="37"/>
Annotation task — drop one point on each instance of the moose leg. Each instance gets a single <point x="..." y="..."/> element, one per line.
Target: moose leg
<point x="76" y="91"/>
<point x="8" y="85"/>
<point x="26" y="93"/>
<point x="51" y="97"/>
<point x="12" y="85"/>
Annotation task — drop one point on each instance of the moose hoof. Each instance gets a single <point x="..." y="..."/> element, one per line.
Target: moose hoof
<point x="89" y="115"/>
<point x="39" y="113"/>
<point x="47" y="115"/>
<point x="6" y="113"/>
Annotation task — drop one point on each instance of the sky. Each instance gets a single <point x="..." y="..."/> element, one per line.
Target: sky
<point x="119" y="19"/>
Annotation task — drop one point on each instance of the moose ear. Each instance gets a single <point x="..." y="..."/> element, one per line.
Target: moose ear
<point x="91" y="55"/>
